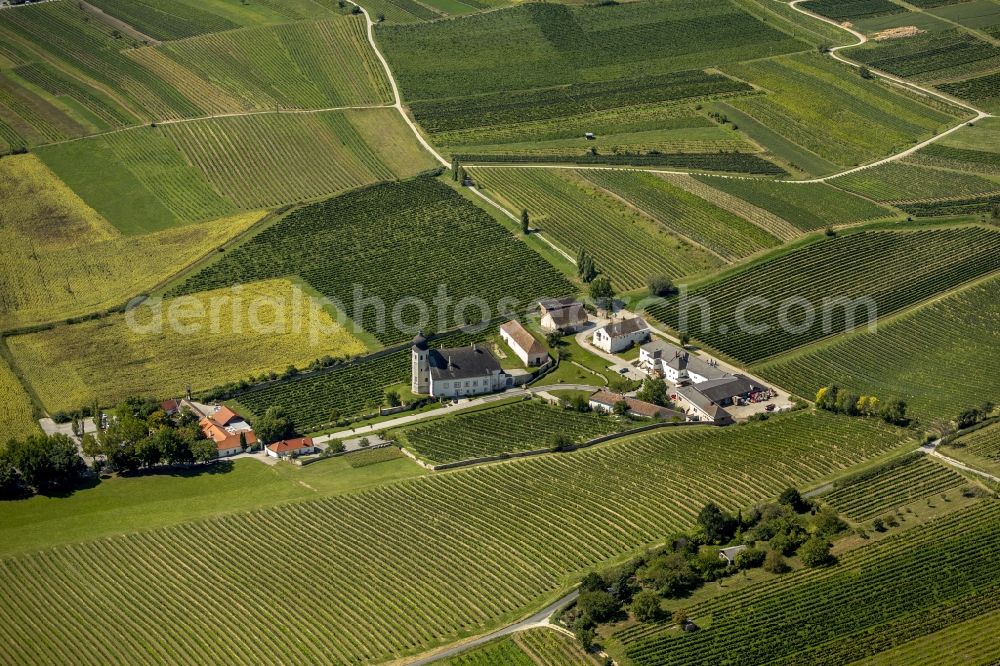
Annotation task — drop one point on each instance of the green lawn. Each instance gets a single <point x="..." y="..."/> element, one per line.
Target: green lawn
<point x="123" y="505"/>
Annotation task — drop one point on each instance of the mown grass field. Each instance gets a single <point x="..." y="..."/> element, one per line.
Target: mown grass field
<point x="357" y="240"/>
<point x="60" y="259"/>
<point x="521" y="426"/>
<point x="218" y="337"/>
<point x="16" y="410"/>
<point x="533" y="647"/>
<point x="880" y="491"/>
<point x="826" y="108"/>
<point x="932" y="577"/>
<point x="889" y="270"/>
<point x="512" y="533"/>
<point x="137" y="180"/>
<point x="148" y="501"/>
<point x="628" y="245"/>
<point x="903" y="358"/>
<point x="807" y="206"/>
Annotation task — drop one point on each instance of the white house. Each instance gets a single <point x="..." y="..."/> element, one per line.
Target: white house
<point x="677" y="365"/>
<point x="729" y="554"/>
<point x="523" y="343"/>
<point x="566" y="315"/>
<point x="287" y="448"/>
<point x="451" y="373"/>
<point x="620" y="335"/>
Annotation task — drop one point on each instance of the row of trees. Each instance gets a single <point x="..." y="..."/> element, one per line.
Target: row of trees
<point x="835" y="399"/>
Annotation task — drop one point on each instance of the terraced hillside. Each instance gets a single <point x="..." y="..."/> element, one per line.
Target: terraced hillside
<point x="334" y="245"/>
<point x="512" y="532"/>
<point x="934" y="577"/>
<point x="775" y="305"/>
<point x="898" y="360"/>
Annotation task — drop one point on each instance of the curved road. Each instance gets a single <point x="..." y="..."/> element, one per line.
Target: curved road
<point x="539" y="619"/>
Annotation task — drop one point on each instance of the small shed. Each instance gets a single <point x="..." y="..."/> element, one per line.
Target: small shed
<point x="729" y="554"/>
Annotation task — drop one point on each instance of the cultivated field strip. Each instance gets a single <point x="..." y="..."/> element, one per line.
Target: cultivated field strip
<point x="806" y="206"/>
<point x="522" y="426"/>
<point x="396" y="569"/>
<point x="905" y="358"/>
<point x="769" y="222"/>
<point x="313" y="65"/>
<point x="721" y="231"/>
<point x="984" y="443"/>
<point x="897" y="182"/>
<point x="884" y="490"/>
<point x="628" y="246"/>
<point x="891" y="270"/>
<point x="265" y="161"/>
<point x="920" y="581"/>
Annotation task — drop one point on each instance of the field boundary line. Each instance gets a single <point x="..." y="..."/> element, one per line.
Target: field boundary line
<point x="475" y="190"/>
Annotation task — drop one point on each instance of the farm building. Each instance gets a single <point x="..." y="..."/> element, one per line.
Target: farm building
<point x="677" y="365"/>
<point x="701" y="408"/>
<point x="566" y="315"/>
<point x="455" y="372"/>
<point x="733" y="389"/>
<point x="289" y="448"/>
<point x="605" y="401"/>
<point x="170" y="407"/>
<point x="225" y="427"/>
<point x="622" y="334"/>
<point x="523" y="343"/>
<point x="729" y="554"/>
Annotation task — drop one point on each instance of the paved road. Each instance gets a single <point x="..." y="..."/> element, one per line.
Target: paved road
<point x="465" y="403"/>
<point x="539" y="619"/>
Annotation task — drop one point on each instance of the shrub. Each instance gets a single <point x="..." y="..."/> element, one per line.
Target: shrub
<point x="816" y="552"/>
<point x="646" y="606"/>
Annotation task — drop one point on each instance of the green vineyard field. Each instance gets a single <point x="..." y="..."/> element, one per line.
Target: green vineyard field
<point x="901" y="359"/>
<point x="852" y="9"/>
<point x="882" y="490"/>
<point x="402" y="567"/>
<point x="522" y="426"/>
<point x="722" y="232"/>
<point x="395" y="242"/>
<point x="925" y="579"/>
<point x="897" y="182"/>
<point x="931" y="55"/>
<point x="532" y="647"/>
<point x="808" y="206"/>
<point x="888" y="270"/>
<point x="825" y="107"/>
<point x="269" y="160"/>
<point x="162" y="19"/>
<point x="575" y="215"/>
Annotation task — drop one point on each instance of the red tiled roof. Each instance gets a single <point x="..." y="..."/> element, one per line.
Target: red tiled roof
<point x="223" y="416"/>
<point x="286" y="445"/>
